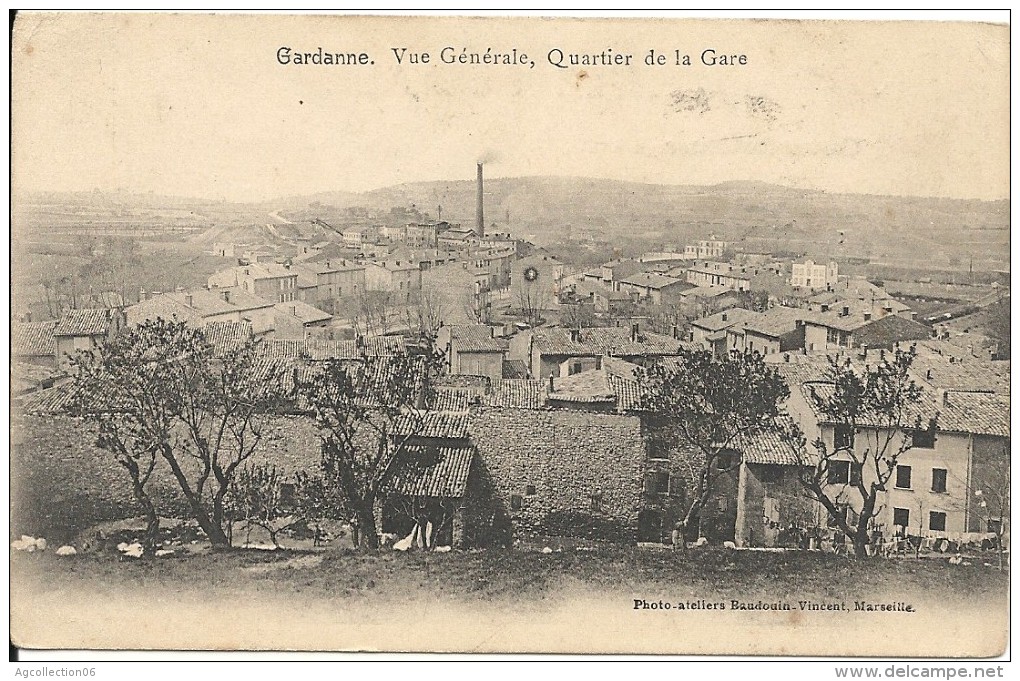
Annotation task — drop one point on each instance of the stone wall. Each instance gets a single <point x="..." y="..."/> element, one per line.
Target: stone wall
<point x="61" y="483"/>
<point x="554" y="472"/>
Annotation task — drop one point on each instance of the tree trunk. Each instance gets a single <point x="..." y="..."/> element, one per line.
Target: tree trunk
<point x="151" y="522"/>
<point x="365" y="518"/>
<point x="217" y="537"/>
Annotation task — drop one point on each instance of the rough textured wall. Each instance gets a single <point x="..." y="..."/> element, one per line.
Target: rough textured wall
<point x="584" y="472"/>
<point x="61" y="483"/>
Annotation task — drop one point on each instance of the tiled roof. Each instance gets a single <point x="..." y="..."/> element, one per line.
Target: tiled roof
<point x="46" y="402"/>
<point x="616" y="381"/>
<point x="515" y="368"/>
<point x="586" y="386"/>
<point x="227" y="336"/>
<point x="204" y="301"/>
<point x="924" y="410"/>
<point x="962" y="373"/>
<point x="776" y="321"/>
<point x="768" y="447"/>
<point x="433" y="424"/>
<point x="319" y="349"/>
<point x="652" y="280"/>
<point x="518" y="394"/>
<point x="241" y="299"/>
<point x="33" y="338"/>
<point x="726" y="319"/>
<point x="451" y="399"/>
<point x="802" y="369"/>
<point x="978" y="413"/>
<point x="303" y="311"/>
<point x="476" y="338"/>
<point x="706" y="291"/>
<point x="603" y="341"/>
<point x="88" y="322"/>
<point x="434" y="472"/>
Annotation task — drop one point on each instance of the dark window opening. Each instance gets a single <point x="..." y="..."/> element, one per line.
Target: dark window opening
<point x="938" y="479"/>
<point x="843" y="437"/>
<point x="937" y="521"/>
<point x="725" y="460"/>
<point x="529" y="490"/>
<point x="657" y="482"/>
<point x="596" y="502"/>
<point x="901" y="517"/>
<point x="516" y="502"/>
<point x="903" y="477"/>
<point x="838" y="473"/>
<point x="994" y="525"/>
<point x="923" y="439"/>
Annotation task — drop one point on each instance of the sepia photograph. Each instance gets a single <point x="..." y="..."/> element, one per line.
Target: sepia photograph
<point x="510" y="335"/>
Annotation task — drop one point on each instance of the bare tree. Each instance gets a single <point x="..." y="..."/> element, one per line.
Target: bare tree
<point x="121" y="389"/>
<point x="368" y="413"/>
<point x="157" y="391"/>
<point x="532" y="299"/>
<point x="874" y="413"/>
<point x="703" y="407"/>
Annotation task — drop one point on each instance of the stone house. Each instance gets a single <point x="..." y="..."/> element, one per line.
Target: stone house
<point x="84" y="330"/>
<point x="325" y="284"/>
<point x="472" y="350"/>
<point x="401" y="277"/>
<point x="845" y="328"/>
<point x="273" y="282"/>
<point x="560" y="351"/>
<point x="34" y="343"/>
<point x="651" y="286"/>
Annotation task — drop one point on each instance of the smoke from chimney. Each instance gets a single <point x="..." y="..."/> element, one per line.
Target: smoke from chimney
<point x="480" y="207"/>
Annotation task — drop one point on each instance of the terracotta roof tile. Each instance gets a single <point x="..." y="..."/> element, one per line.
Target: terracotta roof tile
<point x="435" y="472"/>
<point x="33" y="339"/>
<point x="88" y="322"/>
<point x="518" y="394"/>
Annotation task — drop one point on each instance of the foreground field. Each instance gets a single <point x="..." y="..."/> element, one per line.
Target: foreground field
<point x="596" y="599"/>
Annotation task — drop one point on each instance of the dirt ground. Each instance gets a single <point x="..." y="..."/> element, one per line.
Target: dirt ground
<point x="581" y="599"/>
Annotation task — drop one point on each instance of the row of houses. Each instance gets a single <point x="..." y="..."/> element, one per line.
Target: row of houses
<point x="573" y="453"/>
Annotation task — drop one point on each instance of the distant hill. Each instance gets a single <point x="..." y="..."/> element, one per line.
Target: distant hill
<point x="893" y="230"/>
<point x="888" y="229"/>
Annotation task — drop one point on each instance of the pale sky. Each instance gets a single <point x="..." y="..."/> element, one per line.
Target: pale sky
<point x="199" y="106"/>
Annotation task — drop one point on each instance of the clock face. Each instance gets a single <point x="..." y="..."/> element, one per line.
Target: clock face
<point x="530" y="274"/>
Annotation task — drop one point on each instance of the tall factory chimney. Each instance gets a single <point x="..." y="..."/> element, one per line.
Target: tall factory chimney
<point x="480" y="207"/>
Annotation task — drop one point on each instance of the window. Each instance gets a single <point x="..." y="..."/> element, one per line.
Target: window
<point x="843" y="437"/>
<point x="832" y="336"/>
<point x="901" y="517"/>
<point x="839" y="472"/>
<point x="725" y="460"/>
<point x="856" y="472"/>
<point x="923" y="439"/>
<point x="596" y="502"/>
<point x="903" y="477"/>
<point x="994" y="525"/>
<point x="937" y="521"/>
<point x="657" y="482"/>
<point x="529" y="490"/>
<point x="516" y="502"/>
<point x="938" y="479"/>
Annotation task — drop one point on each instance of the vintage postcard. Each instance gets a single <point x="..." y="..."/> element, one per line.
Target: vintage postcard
<point x="510" y="335"/>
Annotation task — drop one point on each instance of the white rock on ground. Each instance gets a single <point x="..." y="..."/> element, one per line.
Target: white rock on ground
<point x="66" y="551"/>
<point x="28" y="544"/>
